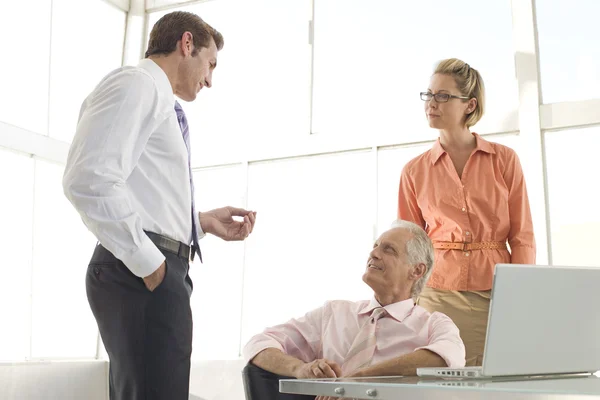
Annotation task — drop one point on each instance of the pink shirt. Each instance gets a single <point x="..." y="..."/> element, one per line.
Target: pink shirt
<point x="328" y="332"/>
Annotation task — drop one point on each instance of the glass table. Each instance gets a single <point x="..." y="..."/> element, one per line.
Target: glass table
<point x="573" y="387"/>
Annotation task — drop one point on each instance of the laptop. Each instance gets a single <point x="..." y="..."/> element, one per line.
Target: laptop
<point x="543" y="320"/>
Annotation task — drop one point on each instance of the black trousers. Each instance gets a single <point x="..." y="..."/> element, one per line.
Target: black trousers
<point x="264" y="385"/>
<point x="148" y="335"/>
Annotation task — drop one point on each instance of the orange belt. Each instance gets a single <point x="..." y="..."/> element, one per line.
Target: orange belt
<point x="470" y="246"/>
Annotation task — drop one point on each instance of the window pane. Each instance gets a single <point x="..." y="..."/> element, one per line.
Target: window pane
<point x="261" y="84"/>
<point x="16" y="173"/>
<point x="162" y="3"/>
<point x="217" y="297"/>
<point x="24" y="80"/>
<point x="312" y="238"/>
<point x="373" y="57"/>
<point x="573" y="197"/>
<point x="513" y="141"/>
<point x="63" y="325"/>
<point x="84" y="50"/>
<point x="569" y="53"/>
<point x="389" y="167"/>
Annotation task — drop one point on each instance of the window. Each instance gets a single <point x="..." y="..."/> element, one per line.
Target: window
<point x="84" y="50"/>
<point x="24" y="80"/>
<point x="261" y="84"/>
<point x="217" y="297"/>
<point x="16" y="174"/>
<point x="373" y="57"/>
<point x="312" y="239"/>
<point x="63" y="324"/>
<point x="389" y="167"/>
<point x="573" y="197"/>
<point x="568" y="49"/>
<point x="514" y="141"/>
<point x="160" y="3"/>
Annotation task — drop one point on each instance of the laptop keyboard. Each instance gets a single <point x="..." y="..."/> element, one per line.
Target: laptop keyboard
<point x="461" y="372"/>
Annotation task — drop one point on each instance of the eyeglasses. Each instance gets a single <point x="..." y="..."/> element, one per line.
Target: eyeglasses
<point x="439" y="97"/>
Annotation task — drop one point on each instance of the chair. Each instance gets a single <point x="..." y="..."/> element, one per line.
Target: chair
<point x="264" y="385"/>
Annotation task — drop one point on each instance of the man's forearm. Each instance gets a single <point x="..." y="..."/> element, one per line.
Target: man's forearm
<point x="404" y="365"/>
<point x="277" y="362"/>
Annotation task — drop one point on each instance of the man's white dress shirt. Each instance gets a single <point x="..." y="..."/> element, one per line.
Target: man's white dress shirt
<point x="127" y="169"/>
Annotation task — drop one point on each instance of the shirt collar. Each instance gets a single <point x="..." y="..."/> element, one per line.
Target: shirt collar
<point x="399" y="311"/>
<point x="160" y="77"/>
<point x="481" y="145"/>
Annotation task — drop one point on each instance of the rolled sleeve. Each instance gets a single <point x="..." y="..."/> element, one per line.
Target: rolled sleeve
<point x="259" y="343"/>
<point x="445" y="341"/>
<point x="408" y="207"/>
<point x="520" y="237"/>
<point x="522" y="255"/>
<point x="300" y="338"/>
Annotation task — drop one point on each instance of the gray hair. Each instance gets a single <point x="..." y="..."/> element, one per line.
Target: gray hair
<point x="419" y="250"/>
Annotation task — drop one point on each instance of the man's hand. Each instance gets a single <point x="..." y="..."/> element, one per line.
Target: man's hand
<point x="153" y="280"/>
<point x="220" y="223"/>
<point x="321" y="368"/>
<point x="356" y="374"/>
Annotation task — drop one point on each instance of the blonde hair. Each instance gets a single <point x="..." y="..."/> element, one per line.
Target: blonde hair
<point x="469" y="83"/>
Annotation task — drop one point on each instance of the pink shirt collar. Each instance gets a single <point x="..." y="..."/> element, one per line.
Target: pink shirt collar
<point x="399" y="311"/>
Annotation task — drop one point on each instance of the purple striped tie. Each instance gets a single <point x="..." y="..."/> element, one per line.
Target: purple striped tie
<point x="185" y="130"/>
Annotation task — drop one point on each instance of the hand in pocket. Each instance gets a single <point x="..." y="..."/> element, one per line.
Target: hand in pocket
<point x="154" y="280"/>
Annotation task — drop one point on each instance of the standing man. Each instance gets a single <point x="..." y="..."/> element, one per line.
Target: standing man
<point x="128" y="175"/>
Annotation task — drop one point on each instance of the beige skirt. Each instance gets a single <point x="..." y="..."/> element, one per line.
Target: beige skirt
<point x="468" y="310"/>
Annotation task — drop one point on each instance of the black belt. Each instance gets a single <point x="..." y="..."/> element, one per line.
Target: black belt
<point x="170" y="245"/>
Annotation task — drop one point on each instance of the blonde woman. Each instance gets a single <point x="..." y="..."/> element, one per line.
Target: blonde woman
<point x="470" y="196"/>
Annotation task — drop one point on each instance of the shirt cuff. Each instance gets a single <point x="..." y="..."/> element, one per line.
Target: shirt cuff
<point x="201" y="233"/>
<point x="452" y="353"/>
<point x="257" y="344"/>
<point x="145" y="260"/>
<point x="522" y="255"/>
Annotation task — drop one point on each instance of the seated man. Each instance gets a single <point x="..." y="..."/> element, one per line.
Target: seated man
<point x="387" y="335"/>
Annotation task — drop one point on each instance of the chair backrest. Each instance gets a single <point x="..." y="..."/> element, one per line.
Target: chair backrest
<point x="264" y="385"/>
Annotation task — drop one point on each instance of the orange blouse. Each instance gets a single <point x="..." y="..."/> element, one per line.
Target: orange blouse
<point x="489" y="204"/>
